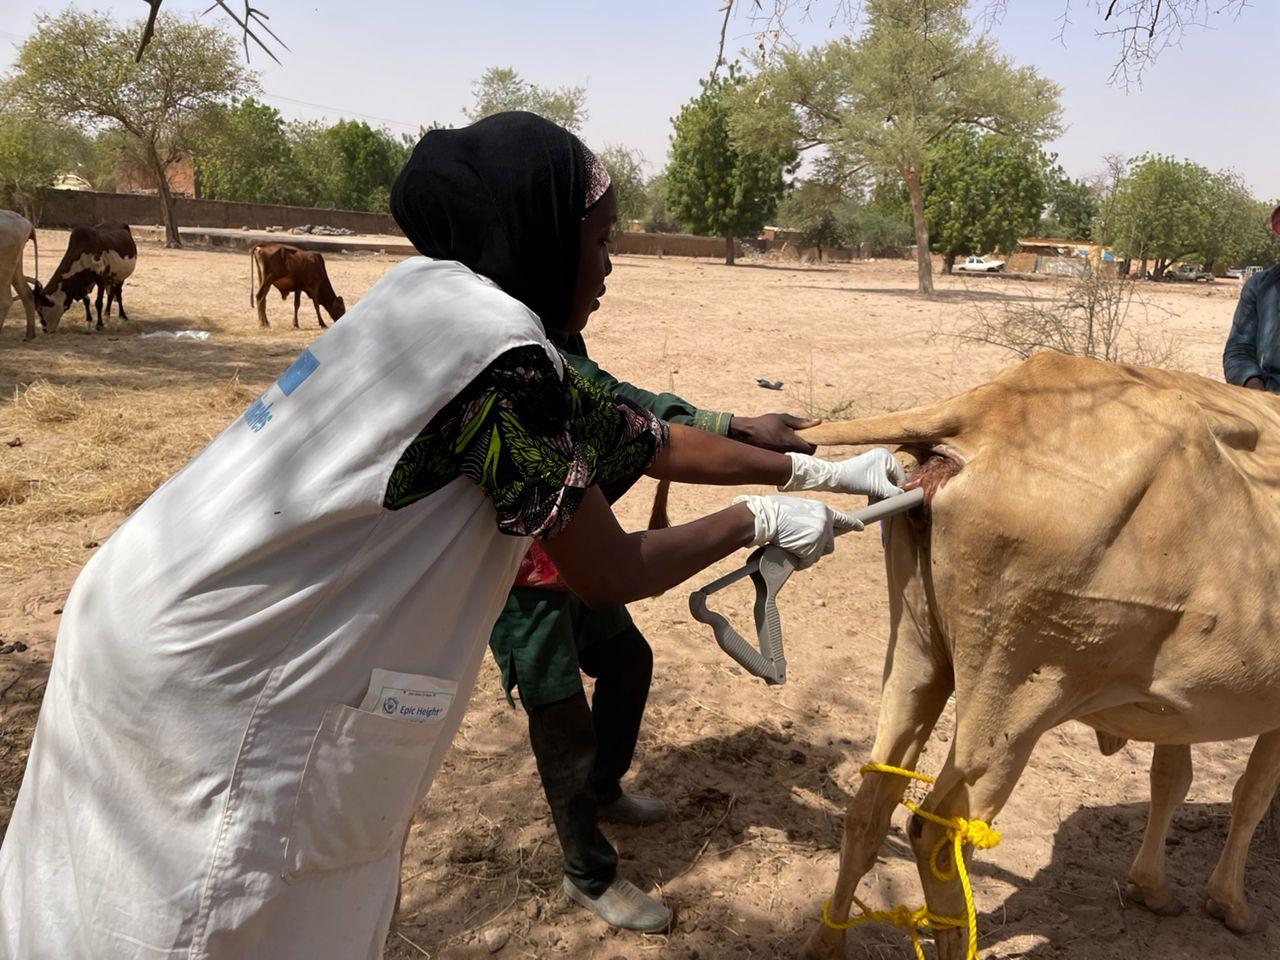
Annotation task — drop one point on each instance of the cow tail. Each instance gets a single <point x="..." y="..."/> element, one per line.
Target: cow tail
<point x="253" y="261"/>
<point x="35" y="248"/>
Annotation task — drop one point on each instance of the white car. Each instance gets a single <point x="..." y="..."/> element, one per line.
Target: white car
<point x="979" y="265"/>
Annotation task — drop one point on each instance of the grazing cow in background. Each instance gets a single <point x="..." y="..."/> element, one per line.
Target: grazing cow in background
<point x="15" y="231"/>
<point x="295" y="271"/>
<point x="1080" y="558"/>
<point x="103" y="257"/>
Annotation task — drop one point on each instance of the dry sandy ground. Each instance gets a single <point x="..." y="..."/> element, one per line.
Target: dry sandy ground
<point x="757" y="776"/>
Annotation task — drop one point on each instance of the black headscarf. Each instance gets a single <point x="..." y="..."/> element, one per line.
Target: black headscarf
<point x="505" y="197"/>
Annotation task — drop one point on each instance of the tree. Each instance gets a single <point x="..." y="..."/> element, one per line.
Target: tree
<point x="717" y="186"/>
<point x="1160" y="211"/>
<point x="1262" y="247"/>
<point x="822" y="212"/>
<point x="881" y="102"/>
<point x="1072" y="207"/>
<point x="626" y="173"/>
<point x="243" y="154"/>
<point x="658" y="217"/>
<point x="32" y="153"/>
<point x="980" y="192"/>
<point x="78" y="68"/>
<point x="1143" y="29"/>
<point x="501" y="88"/>
<point x="347" y="166"/>
<point x="1230" y="220"/>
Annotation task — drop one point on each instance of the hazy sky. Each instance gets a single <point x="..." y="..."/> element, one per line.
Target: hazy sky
<point x="408" y="62"/>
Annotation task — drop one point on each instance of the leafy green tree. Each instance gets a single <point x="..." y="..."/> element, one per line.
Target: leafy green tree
<point x="32" y="153"/>
<point x="881" y="102"/>
<point x="658" y="217"/>
<point x="716" y="185"/>
<point x="78" y="68"/>
<point x="980" y="192"/>
<point x="626" y="172"/>
<point x="501" y="88"/>
<point x="1261" y="247"/>
<point x="1072" y="206"/>
<point x="1160" y="211"/>
<point x="822" y="212"/>
<point x="370" y="161"/>
<point x="1231" y="220"/>
<point x="243" y="154"/>
<point x="346" y="166"/>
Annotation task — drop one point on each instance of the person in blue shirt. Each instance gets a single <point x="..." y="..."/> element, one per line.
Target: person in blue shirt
<point x="1252" y="354"/>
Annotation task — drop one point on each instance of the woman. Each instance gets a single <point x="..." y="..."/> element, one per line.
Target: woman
<point x="257" y="676"/>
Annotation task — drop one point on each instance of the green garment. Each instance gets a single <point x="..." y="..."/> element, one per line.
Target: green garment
<point x="539" y="633"/>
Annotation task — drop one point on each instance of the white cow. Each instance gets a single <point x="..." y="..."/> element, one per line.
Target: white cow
<point x="15" y="231"/>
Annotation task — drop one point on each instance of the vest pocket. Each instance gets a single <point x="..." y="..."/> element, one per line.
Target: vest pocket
<point x="359" y="788"/>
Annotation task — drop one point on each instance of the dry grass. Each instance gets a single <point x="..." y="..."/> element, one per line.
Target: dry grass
<point x="82" y="458"/>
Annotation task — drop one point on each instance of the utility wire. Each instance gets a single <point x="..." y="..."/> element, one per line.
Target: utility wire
<point x="341" y="111"/>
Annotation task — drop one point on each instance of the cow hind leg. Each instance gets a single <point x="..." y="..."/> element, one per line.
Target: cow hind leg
<point x="916" y="687"/>
<point x="261" y="299"/>
<point x="28" y="303"/>
<point x="1249" y="801"/>
<point x="118" y="292"/>
<point x="997" y="728"/>
<point x="297" y="302"/>
<point x="98" y="303"/>
<point x="909" y="709"/>
<point x="1170" y="780"/>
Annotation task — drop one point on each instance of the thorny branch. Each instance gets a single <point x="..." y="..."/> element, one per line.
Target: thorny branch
<point x="252" y="18"/>
<point x="1143" y="28"/>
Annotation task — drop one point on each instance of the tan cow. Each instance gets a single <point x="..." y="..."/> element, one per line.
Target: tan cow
<point x="15" y="231"/>
<point x="1098" y="548"/>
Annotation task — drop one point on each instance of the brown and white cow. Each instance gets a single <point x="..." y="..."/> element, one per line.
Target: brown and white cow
<point x="15" y="231"/>
<point x="101" y="257"/>
<point x="295" y="271"/>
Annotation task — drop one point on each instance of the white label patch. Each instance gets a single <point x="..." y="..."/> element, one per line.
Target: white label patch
<point x="408" y="696"/>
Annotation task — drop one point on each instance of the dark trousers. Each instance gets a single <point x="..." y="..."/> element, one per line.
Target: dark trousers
<point x="583" y="753"/>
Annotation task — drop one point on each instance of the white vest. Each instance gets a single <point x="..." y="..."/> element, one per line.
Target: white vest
<point x="202" y="782"/>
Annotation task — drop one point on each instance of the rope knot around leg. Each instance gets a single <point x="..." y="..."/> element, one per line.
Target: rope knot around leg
<point x="979" y="833"/>
<point x="957" y="832"/>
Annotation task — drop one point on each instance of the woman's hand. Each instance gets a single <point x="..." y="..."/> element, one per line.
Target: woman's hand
<point x="806" y="529"/>
<point x="875" y="473"/>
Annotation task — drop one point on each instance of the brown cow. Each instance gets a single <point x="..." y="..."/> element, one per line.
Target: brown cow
<point x="103" y="257"/>
<point x="295" y="271"/>
<point x="1080" y="559"/>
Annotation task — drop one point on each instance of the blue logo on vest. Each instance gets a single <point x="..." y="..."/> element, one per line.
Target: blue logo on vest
<point x="258" y="414"/>
<point x="298" y="371"/>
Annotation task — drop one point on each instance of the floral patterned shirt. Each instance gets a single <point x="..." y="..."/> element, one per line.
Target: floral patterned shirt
<point x="533" y="441"/>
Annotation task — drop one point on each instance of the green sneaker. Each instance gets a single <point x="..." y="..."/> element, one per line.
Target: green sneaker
<point x="623" y="905"/>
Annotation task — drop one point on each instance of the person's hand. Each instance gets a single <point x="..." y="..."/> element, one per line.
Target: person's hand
<point x="773" y="431"/>
<point x="804" y="528"/>
<point x="875" y="473"/>
<point x="1255" y="383"/>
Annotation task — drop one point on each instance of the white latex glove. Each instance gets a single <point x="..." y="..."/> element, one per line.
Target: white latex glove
<point x="875" y="473"/>
<point x="804" y="528"/>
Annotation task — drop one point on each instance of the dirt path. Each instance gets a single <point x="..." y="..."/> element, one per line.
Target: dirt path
<point x="757" y="776"/>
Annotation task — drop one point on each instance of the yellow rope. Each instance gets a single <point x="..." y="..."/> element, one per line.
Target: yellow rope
<point x="958" y="832"/>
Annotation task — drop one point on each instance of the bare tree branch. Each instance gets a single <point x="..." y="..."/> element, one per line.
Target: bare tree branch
<point x="253" y="17"/>
<point x="1143" y="28"/>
